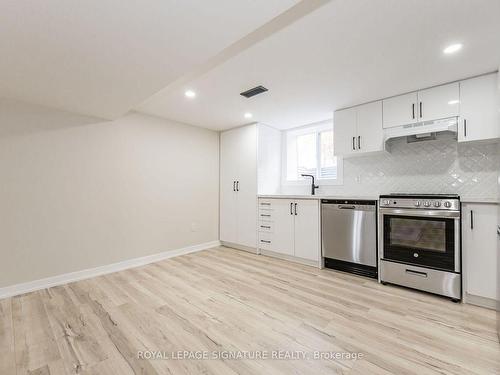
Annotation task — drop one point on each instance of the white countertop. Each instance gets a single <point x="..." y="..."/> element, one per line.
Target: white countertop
<point x="479" y="200"/>
<point x="284" y="196"/>
<point x="374" y="198"/>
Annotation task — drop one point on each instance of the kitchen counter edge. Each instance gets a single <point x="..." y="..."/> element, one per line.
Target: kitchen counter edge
<point x="371" y="198"/>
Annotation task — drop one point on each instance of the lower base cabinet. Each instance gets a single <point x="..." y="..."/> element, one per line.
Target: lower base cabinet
<point x="290" y="227"/>
<point x="479" y="253"/>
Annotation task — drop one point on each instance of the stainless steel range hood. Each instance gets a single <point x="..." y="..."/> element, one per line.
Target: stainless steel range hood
<point x="422" y="131"/>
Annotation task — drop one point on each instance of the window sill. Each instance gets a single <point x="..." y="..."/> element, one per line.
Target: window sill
<point x="331" y="182"/>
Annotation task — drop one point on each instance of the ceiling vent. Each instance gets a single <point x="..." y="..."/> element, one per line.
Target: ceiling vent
<point x="255" y="91"/>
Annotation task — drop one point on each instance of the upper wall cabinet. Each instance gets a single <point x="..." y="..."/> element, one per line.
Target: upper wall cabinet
<point x="369" y="127"/>
<point x="401" y="109"/>
<point x="479" y="109"/>
<point x="358" y="130"/>
<point x="344" y="128"/>
<point x="439" y="102"/>
<point x="425" y="105"/>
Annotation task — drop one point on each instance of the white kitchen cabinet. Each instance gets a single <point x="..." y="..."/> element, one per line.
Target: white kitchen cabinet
<point x="276" y="222"/>
<point x="290" y="227"/>
<point x="306" y="230"/>
<point x="228" y="176"/>
<point x="399" y="110"/>
<point x="238" y="186"/>
<point x="345" y="127"/>
<point x="424" y="105"/>
<point x="358" y="130"/>
<point x="479" y="252"/>
<point x="439" y="102"/>
<point x="479" y="114"/>
<point x="369" y="128"/>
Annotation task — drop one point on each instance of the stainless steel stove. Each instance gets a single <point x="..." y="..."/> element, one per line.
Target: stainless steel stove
<point x="419" y="242"/>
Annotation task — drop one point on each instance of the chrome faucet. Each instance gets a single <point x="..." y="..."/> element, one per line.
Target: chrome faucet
<point x="313" y="186"/>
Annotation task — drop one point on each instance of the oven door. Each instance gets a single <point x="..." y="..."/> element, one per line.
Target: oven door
<point x="429" y="238"/>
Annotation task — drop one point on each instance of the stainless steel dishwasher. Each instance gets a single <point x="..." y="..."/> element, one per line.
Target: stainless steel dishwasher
<point x="349" y="235"/>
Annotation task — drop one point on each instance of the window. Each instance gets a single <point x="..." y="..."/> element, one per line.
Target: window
<point x="309" y="150"/>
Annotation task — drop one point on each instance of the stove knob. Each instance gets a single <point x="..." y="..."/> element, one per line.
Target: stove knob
<point x="417" y="203"/>
<point x="427" y="204"/>
<point x="447" y="204"/>
<point x="437" y="204"/>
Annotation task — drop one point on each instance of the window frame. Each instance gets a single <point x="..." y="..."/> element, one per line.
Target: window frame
<point x="316" y="128"/>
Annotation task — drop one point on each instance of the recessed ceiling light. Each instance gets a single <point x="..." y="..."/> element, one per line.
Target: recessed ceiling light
<point x="453" y="48"/>
<point x="248" y="115"/>
<point x="453" y="102"/>
<point x="190" y="94"/>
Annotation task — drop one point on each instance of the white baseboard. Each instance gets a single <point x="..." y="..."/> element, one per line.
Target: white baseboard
<point x="236" y="246"/>
<point x="486" y="302"/>
<point x="291" y="258"/>
<point x="31" y="286"/>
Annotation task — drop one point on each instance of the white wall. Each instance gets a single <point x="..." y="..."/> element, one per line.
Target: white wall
<point x="269" y="160"/>
<point x="80" y="196"/>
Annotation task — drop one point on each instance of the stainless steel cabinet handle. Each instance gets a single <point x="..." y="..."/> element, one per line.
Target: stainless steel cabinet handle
<point x="265" y="241"/>
<point x="413" y="111"/>
<point x="265" y="203"/>
<point x="421" y="112"/>
<point x="291" y="208"/>
<point x="265" y="215"/>
<point x="471" y="219"/>
<point x="265" y="226"/>
<point x="465" y="128"/>
<point x="359" y="142"/>
<point x="416" y="273"/>
<point x="295" y="209"/>
<point x="234" y="185"/>
<point x="354" y="143"/>
<point x="498" y="230"/>
<point x="237" y="186"/>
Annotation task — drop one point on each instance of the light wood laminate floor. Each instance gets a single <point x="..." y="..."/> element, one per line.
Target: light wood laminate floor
<point x="224" y="301"/>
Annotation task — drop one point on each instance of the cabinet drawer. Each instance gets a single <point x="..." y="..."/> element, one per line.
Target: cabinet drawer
<point x="265" y="204"/>
<point x="266" y="240"/>
<point x="266" y="215"/>
<point x="266" y="226"/>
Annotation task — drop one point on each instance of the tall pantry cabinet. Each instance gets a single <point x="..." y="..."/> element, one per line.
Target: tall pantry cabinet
<point x="238" y="187"/>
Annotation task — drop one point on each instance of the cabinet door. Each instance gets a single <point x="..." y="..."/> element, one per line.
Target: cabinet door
<point x="369" y="125"/>
<point x="480" y="249"/>
<point x="439" y="102"/>
<point x="246" y="183"/>
<point x="479" y="115"/>
<point x="282" y="238"/>
<point x="400" y="110"/>
<point x="307" y="229"/>
<point x="344" y="130"/>
<point x="228" y="198"/>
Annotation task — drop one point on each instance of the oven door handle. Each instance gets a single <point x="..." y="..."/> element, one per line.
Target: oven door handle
<point x="418" y="212"/>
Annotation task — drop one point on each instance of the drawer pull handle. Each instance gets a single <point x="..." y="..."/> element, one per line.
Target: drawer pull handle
<point x="265" y="204"/>
<point x="265" y="215"/>
<point x="265" y="226"/>
<point x="265" y="241"/>
<point x="416" y="273"/>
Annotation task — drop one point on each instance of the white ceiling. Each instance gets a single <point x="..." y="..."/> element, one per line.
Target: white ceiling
<point x="102" y="57"/>
<point x="344" y="53"/>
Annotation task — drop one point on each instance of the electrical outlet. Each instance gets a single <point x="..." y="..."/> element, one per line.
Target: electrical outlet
<point x="194" y="226"/>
